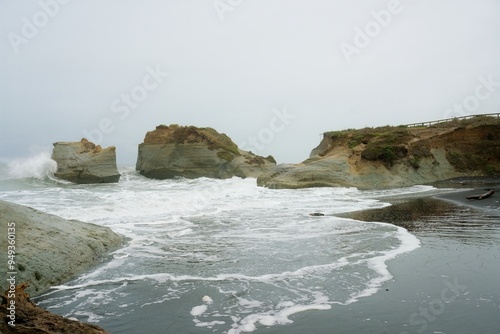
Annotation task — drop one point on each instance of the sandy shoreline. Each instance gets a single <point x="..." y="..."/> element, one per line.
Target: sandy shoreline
<point x="459" y="198"/>
<point x="448" y="285"/>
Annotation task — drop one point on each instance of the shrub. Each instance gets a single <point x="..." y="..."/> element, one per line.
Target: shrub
<point x="225" y="155"/>
<point x="386" y="154"/>
<point x="414" y="162"/>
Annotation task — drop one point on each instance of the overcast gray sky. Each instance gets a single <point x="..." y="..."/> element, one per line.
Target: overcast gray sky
<point x="271" y="74"/>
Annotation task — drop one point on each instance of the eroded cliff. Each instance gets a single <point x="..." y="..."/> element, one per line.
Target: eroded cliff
<point x="191" y="152"/>
<point x="85" y="162"/>
<point x="387" y="157"/>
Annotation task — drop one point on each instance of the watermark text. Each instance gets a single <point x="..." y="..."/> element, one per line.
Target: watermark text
<point x="126" y="102"/>
<point x="471" y="103"/>
<point x="11" y="274"/>
<point x="222" y="7"/>
<point x="30" y="28"/>
<point x="429" y="313"/>
<point x="363" y="37"/>
<point x="278" y="122"/>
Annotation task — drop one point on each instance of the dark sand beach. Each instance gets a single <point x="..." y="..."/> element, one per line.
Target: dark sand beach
<point x="448" y="285"/>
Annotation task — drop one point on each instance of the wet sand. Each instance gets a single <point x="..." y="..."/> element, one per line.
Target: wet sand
<point x="449" y="285"/>
<point x="489" y="204"/>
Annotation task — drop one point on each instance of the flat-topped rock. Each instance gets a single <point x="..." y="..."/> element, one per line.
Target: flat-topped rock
<point x="85" y="162"/>
<point x="191" y="152"/>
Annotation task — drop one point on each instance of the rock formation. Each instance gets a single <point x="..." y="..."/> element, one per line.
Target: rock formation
<point x="84" y="162"/>
<point x="31" y="319"/>
<point x="192" y="152"/>
<point x="388" y="157"/>
<point x="50" y="249"/>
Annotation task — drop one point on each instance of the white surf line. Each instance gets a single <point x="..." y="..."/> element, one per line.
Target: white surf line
<point x="409" y="242"/>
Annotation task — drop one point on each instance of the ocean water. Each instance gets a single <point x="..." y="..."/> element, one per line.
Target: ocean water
<point x="210" y="255"/>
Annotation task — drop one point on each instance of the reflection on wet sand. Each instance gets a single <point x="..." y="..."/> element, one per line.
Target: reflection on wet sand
<point x="429" y="216"/>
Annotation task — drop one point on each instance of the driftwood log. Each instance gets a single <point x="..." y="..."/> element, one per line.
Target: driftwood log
<point x="482" y="196"/>
<point x="21" y="316"/>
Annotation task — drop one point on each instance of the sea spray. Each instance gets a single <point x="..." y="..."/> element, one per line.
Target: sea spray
<point x="39" y="166"/>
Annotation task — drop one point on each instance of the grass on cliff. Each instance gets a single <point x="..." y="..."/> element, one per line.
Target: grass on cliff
<point x="391" y="143"/>
<point x="176" y="134"/>
<point x="393" y="134"/>
<point x="476" y="159"/>
<point x="388" y="134"/>
<point x="474" y="121"/>
<point x="383" y="143"/>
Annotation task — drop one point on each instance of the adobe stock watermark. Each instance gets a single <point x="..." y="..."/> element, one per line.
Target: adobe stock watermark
<point x="427" y="314"/>
<point x="484" y="90"/>
<point x="30" y="28"/>
<point x="123" y="105"/>
<point x="11" y="274"/>
<point x="372" y="29"/>
<point x="278" y="123"/>
<point x="222" y="7"/>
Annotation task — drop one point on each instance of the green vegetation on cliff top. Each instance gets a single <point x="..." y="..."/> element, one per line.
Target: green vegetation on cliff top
<point x="176" y="134"/>
<point x="389" y="144"/>
<point x="392" y="133"/>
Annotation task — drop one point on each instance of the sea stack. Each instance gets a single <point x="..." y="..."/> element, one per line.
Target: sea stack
<point x="84" y="162"/>
<point x="191" y="152"/>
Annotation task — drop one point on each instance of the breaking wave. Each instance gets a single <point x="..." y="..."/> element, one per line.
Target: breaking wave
<point x="38" y="166"/>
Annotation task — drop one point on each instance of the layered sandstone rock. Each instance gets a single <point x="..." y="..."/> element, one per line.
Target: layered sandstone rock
<point x="191" y="152"/>
<point x="84" y="162"/>
<point x="395" y="156"/>
<point x="50" y="250"/>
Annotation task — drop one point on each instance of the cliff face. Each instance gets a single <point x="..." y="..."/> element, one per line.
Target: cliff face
<point x="191" y="152"/>
<point x="84" y="162"/>
<point x="395" y="156"/>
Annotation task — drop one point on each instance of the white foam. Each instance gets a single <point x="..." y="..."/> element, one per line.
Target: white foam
<point x="255" y="250"/>
<point x="91" y="317"/>
<point x="178" y="234"/>
<point x="398" y="191"/>
<point x="285" y="304"/>
<point x="207" y="300"/>
<point x="282" y="317"/>
<point x="248" y="323"/>
<point x="378" y="264"/>
<point x="208" y="324"/>
<point x="39" y="166"/>
<point x="249" y="303"/>
<point x="121" y="255"/>
<point x="91" y="283"/>
<point x="198" y="310"/>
